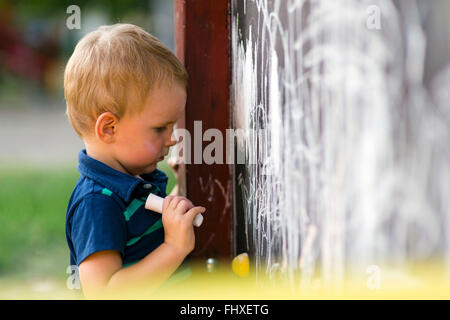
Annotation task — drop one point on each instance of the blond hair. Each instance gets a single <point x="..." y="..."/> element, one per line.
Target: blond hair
<point x="113" y="69"/>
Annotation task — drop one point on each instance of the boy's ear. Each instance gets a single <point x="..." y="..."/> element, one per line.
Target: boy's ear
<point x="106" y="126"/>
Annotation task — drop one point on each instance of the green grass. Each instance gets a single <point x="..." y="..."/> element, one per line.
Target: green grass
<point x="32" y="215"/>
<point x="163" y="166"/>
<point x="33" y="204"/>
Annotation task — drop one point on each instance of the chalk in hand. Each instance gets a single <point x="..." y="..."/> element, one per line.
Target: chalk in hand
<point x="155" y="203"/>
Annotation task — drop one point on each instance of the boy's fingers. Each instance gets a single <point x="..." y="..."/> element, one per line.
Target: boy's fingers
<point x="183" y="206"/>
<point x="172" y="202"/>
<point x="167" y="201"/>
<point x="192" y="213"/>
<point x="175" y="202"/>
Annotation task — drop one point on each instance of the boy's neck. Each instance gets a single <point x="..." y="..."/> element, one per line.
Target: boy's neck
<point x="96" y="152"/>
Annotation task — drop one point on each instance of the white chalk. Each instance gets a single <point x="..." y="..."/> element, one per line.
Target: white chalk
<point x="155" y="203"/>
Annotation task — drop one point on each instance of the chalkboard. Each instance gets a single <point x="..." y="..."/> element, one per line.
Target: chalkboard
<point x="345" y="111"/>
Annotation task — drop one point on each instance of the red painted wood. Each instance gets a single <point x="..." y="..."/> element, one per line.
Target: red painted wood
<point x="202" y="43"/>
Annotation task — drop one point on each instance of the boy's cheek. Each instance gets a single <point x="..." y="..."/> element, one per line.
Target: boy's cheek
<point x="152" y="149"/>
<point x="138" y="152"/>
<point x="145" y="154"/>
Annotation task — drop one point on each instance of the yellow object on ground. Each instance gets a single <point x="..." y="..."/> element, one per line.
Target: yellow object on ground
<point x="241" y="265"/>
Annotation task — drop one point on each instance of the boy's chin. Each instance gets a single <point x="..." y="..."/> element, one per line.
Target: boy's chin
<point x="151" y="167"/>
<point x="143" y="170"/>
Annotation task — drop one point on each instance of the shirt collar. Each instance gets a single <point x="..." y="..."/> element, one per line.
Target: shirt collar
<point x="118" y="182"/>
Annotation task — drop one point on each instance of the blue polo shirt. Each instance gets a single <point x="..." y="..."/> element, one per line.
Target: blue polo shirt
<point x="106" y="212"/>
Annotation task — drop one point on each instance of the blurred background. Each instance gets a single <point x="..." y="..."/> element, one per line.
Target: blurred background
<point x="38" y="148"/>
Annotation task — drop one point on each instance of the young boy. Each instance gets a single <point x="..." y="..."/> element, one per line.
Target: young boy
<point x="125" y="91"/>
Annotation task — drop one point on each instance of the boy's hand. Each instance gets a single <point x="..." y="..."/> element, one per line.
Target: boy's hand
<point x="177" y="217"/>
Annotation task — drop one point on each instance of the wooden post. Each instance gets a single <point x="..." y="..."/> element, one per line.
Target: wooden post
<point x="202" y="41"/>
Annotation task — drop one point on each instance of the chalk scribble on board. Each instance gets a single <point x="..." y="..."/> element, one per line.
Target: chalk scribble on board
<point x="353" y="168"/>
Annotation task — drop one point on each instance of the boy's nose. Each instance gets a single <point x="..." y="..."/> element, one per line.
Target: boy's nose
<point x="171" y="142"/>
<point x="172" y="138"/>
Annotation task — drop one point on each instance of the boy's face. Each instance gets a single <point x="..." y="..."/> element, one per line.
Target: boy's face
<point x="143" y="139"/>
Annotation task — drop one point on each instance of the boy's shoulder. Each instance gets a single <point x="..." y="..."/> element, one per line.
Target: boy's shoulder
<point x="88" y="189"/>
<point x="94" y="214"/>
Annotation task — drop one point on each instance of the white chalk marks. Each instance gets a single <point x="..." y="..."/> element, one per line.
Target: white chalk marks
<point x="354" y="167"/>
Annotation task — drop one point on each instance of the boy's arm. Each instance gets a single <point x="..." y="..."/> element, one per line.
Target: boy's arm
<point x="102" y="275"/>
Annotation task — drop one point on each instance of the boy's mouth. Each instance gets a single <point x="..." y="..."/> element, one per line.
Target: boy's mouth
<point x="162" y="157"/>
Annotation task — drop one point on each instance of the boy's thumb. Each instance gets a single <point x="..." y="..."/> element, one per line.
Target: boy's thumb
<point x="194" y="214"/>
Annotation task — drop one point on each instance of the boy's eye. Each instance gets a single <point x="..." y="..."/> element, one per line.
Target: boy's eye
<point x="160" y="129"/>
